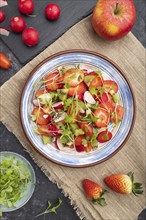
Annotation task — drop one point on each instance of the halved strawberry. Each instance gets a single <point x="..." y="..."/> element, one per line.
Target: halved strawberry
<point x="43" y="130"/>
<point x="88" y="129"/>
<point x="124" y="184"/>
<point x="109" y="106"/>
<point x="39" y="117"/>
<point x="73" y="77"/>
<point x="104" y="136"/>
<point x="80" y="148"/>
<point x="110" y="86"/>
<point x="94" y="192"/>
<point x="93" y="80"/>
<point x="118" y="114"/>
<point x="52" y="84"/>
<point x="104" y="97"/>
<point x="80" y="89"/>
<point x="52" y="128"/>
<point x="78" y="140"/>
<point x="103" y="117"/>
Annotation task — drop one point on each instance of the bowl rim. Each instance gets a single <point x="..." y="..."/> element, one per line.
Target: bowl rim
<point x="19" y="156"/>
<point x="120" y="71"/>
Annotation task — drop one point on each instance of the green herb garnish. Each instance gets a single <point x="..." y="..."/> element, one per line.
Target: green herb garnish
<point x="50" y="208"/>
<point x="14" y="179"/>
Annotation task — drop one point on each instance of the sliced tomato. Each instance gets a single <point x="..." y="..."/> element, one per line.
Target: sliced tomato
<point x="40" y="92"/>
<point x="80" y="89"/>
<point x="118" y="114"/>
<point x="104" y="136"/>
<point x="110" y="86"/>
<point x="43" y="130"/>
<point x="93" y="80"/>
<point x="39" y="117"/>
<point x="89" y="147"/>
<point x="52" y="84"/>
<point x="78" y="140"/>
<point x="103" y="117"/>
<point x="88" y="129"/>
<point x="73" y="77"/>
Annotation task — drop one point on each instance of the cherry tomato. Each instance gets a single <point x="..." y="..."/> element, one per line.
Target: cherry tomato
<point x="88" y="129"/>
<point x="2" y="16"/>
<point x="4" y="61"/>
<point x="110" y="86"/>
<point x="102" y="117"/>
<point x="30" y="36"/>
<point x="26" y="7"/>
<point x="17" y="24"/>
<point x="51" y="84"/>
<point x="52" y="11"/>
<point x="104" y="136"/>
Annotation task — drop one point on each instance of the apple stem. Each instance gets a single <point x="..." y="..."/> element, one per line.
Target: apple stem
<point x="116" y="9"/>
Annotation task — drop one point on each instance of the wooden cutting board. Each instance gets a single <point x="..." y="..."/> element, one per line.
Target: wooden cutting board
<point x="72" y="11"/>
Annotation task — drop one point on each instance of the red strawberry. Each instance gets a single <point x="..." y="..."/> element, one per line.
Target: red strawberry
<point x="94" y="192"/>
<point x="124" y="184"/>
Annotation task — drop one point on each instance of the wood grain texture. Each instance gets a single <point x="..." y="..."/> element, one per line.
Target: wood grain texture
<point x="72" y="11"/>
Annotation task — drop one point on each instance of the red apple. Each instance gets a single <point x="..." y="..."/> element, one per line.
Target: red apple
<point x="113" y="19"/>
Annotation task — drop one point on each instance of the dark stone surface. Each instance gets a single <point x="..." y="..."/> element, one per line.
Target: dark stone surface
<point x="46" y="190"/>
<point x="71" y="13"/>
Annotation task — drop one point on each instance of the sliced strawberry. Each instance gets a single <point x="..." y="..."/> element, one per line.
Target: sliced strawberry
<point x="78" y="140"/>
<point x="104" y="136"/>
<point x="43" y="130"/>
<point x="73" y="77"/>
<point x="110" y="86"/>
<point x="80" y="89"/>
<point x="105" y="97"/>
<point x="123" y="184"/>
<point x="39" y="117"/>
<point x="109" y="106"/>
<point x="40" y="92"/>
<point x="88" y="129"/>
<point x="102" y="117"/>
<point x="80" y="148"/>
<point x="52" y="84"/>
<point x="89" y="147"/>
<point x="52" y="128"/>
<point x="94" y="192"/>
<point x="81" y="96"/>
<point x="118" y="114"/>
<point x="93" y="80"/>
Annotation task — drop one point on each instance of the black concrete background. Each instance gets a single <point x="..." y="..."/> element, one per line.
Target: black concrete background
<point x="46" y="190"/>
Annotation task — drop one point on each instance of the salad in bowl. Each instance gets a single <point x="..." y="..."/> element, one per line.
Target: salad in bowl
<point x="76" y="109"/>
